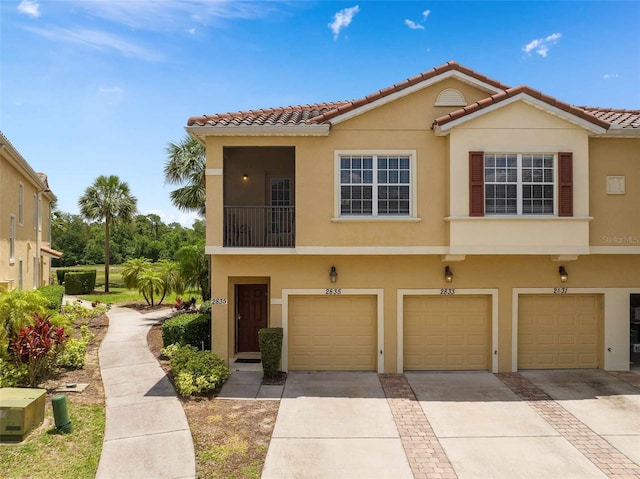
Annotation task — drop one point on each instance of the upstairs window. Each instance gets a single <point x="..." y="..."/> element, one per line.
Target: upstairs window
<point x="375" y="185"/>
<point x="20" y="204"/>
<point x="12" y="238"/>
<point x="520" y="184"/>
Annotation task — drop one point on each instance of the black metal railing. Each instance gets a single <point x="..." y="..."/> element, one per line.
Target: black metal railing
<point x="259" y="226"/>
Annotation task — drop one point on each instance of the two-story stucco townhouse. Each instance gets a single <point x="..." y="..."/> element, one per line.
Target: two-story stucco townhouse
<point x="448" y="222"/>
<point x="25" y="222"/>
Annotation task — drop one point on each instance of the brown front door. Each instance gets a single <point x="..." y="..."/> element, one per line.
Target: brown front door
<point x="251" y="315"/>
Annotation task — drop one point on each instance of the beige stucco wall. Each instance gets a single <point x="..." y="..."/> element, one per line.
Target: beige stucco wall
<point x="616" y="217"/>
<point x="390" y="273"/>
<point x="27" y="237"/>
<point x="518" y="128"/>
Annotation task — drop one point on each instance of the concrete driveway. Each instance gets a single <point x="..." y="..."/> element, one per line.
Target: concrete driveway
<point x="553" y="424"/>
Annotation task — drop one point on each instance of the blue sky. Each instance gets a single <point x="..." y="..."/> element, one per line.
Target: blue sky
<point x="91" y="87"/>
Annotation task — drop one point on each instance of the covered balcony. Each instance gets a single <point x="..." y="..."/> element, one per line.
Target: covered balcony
<point x="259" y="203"/>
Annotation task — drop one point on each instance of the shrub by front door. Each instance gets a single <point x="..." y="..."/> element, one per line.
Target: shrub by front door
<point x="251" y="315"/>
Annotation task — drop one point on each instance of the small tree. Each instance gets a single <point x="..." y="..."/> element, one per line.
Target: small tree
<point x="194" y="268"/>
<point x="107" y="199"/>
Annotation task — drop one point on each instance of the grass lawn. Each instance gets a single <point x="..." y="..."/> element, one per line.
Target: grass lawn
<point x="73" y="455"/>
<point x="117" y="292"/>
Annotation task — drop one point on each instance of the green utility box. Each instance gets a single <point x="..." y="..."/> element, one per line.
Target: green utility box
<point x="21" y="410"/>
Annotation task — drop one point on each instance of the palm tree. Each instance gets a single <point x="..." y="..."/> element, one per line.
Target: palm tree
<point x="185" y="166"/>
<point x="107" y="199"/>
<point x="194" y="268"/>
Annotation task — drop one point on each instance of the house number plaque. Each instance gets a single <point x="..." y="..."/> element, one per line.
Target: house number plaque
<point x="218" y="300"/>
<point x="447" y="291"/>
<point x="560" y="290"/>
<point x="333" y="291"/>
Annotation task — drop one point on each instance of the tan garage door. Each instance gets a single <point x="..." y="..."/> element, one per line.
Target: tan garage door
<point x="558" y="331"/>
<point x="447" y="332"/>
<point x="332" y="333"/>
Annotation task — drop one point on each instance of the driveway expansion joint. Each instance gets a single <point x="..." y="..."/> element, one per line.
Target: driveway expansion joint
<point x="595" y="448"/>
<point x="424" y="452"/>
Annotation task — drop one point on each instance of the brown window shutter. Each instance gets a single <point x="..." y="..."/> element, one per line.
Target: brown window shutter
<point x="476" y="183"/>
<point x="565" y="184"/>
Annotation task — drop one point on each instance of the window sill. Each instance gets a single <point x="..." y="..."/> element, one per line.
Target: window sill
<point x="376" y="219"/>
<point x="518" y="218"/>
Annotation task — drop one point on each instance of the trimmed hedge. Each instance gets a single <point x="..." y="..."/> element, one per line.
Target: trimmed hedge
<point x="193" y="329"/>
<point x="60" y="273"/>
<point x="270" y="340"/>
<point x="196" y="372"/>
<point x="53" y="295"/>
<point x="79" y="282"/>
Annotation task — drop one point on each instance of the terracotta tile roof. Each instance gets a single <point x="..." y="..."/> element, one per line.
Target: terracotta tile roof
<point x="511" y="92"/>
<point x="289" y="115"/>
<point x="51" y="252"/>
<point x="322" y="112"/>
<point x="318" y="113"/>
<point x="449" y="66"/>
<point x="621" y="118"/>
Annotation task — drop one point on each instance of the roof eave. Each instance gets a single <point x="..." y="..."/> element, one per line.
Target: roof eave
<point x="594" y="129"/>
<point x="617" y="131"/>
<point x="463" y="77"/>
<point x="202" y="131"/>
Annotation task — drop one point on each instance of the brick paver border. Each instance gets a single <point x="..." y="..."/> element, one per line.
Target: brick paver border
<point x="606" y="457"/>
<point x="425" y="454"/>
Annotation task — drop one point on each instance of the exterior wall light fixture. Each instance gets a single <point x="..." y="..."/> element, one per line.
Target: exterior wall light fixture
<point x="245" y="177"/>
<point x="448" y="274"/>
<point x="333" y="274"/>
<point x="564" y="276"/>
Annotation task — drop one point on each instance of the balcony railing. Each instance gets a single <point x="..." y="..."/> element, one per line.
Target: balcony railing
<point x="259" y="226"/>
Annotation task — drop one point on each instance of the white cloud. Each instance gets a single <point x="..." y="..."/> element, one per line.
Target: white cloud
<point x="110" y="90"/>
<point x="541" y="45"/>
<point x="29" y="7"/>
<point x="425" y="14"/>
<point x="191" y="31"/>
<point x="414" y="25"/>
<point x="97" y="40"/>
<point x="609" y="76"/>
<point x="172" y="15"/>
<point x="342" y="19"/>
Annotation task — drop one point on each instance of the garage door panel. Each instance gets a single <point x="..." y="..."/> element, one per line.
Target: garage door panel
<point x="558" y="331"/>
<point x="332" y="333"/>
<point x="446" y="333"/>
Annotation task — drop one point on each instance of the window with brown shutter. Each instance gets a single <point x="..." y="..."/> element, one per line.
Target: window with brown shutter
<point x="476" y="183"/>
<point x="565" y="184"/>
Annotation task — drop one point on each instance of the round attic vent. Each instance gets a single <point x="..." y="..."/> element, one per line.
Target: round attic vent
<point x="450" y="97"/>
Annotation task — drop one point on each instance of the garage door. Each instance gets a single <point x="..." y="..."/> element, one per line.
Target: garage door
<point x="558" y="331"/>
<point x="332" y="333"/>
<point x="447" y="332"/>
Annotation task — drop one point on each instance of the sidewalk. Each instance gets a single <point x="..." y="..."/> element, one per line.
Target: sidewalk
<point x="147" y="434"/>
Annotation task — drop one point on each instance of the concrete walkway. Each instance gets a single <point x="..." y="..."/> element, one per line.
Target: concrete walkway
<point x="147" y="434"/>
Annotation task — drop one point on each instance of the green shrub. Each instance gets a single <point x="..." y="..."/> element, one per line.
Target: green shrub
<point x="193" y="329"/>
<point x="53" y="295"/>
<point x="197" y="371"/>
<point x="78" y="313"/>
<point x="61" y="273"/>
<point x="73" y="355"/>
<point x="80" y="282"/>
<point x="12" y="374"/>
<point x="16" y="311"/>
<point x="74" y="352"/>
<point x="270" y="341"/>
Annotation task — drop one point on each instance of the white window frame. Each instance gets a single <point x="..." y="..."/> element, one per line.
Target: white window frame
<point x="519" y="184"/>
<point x="20" y="204"/>
<point x="412" y="185"/>
<point x="12" y="238"/>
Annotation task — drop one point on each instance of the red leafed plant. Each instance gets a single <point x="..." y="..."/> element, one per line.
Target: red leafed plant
<point x="37" y="346"/>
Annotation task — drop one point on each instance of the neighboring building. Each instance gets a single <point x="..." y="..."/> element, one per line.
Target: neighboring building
<point x="448" y="222"/>
<point x="25" y="222"/>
